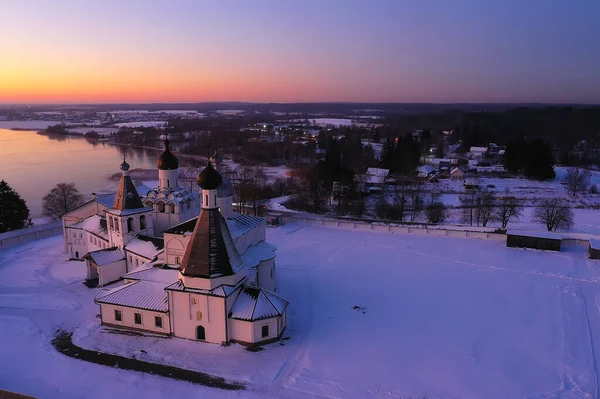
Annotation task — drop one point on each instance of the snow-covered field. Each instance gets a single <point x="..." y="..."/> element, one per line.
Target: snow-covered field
<point x="372" y="315"/>
<point x="142" y="124"/>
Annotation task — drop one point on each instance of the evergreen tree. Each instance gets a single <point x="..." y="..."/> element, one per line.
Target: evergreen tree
<point x="14" y="213"/>
<point x="539" y="161"/>
<point x="514" y="155"/>
<point x="387" y="154"/>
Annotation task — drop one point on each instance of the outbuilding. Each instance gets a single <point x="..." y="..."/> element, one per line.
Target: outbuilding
<point x="532" y="239"/>
<point x="594" y="250"/>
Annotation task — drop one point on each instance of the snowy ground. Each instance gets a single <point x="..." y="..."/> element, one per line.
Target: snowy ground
<point x="443" y="317"/>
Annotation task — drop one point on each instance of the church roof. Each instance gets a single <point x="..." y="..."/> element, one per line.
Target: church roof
<point x="238" y="225"/>
<point x="103" y="257"/>
<point x="211" y="252"/>
<point x="140" y="295"/>
<point x="148" y="247"/>
<point x="94" y="224"/>
<point x="256" y="303"/>
<point x="157" y="272"/>
<point x="167" y="160"/>
<point x="127" y="196"/>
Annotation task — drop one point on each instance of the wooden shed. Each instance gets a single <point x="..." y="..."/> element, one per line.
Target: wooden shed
<point x="532" y="239"/>
<point x="594" y="251"/>
<point x="274" y="220"/>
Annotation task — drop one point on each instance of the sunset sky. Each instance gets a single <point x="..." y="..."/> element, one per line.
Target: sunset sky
<point x="69" y="51"/>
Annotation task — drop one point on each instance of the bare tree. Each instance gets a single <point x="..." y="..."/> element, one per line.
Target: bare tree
<point x="467" y="206"/>
<point x="577" y="180"/>
<point x="485" y="202"/>
<point x="554" y="214"/>
<point x="188" y="176"/>
<point x="61" y="199"/>
<point x="508" y="208"/>
<point x="436" y="211"/>
<point x="416" y="199"/>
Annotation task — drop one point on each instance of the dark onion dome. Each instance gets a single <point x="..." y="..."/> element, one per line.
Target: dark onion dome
<point x="167" y="160"/>
<point x="209" y="178"/>
<point x="225" y="189"/>
<point x="124" y="166"/>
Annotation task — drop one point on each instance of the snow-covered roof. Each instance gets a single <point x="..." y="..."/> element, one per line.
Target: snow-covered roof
<point x="456" y="170"/>
<point x="376" y="175"/>
<point x="222" y="290"/>
<point x="147" y="247"/>
<point x="240" y="224"/>
<point x="478" y="149"/>
<point x="256" y="304"/>
<point x="594" y="243"/>
<point x="158" y="273"/>
<point x="427" y="169"/>
<point x="257" y="253"/>
<point x="140" y="295"/>
<point x="535" y="234"/>
<point x="94" y="224"/>
<point x="105" y="256"/>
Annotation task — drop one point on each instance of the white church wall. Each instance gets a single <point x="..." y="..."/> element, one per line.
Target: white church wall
<point x="209" y="284"/>
<point x="76" y="243"/>
<point x="241" y="331"/>
<point x="175" y="245"/>
<point x="128" y="318"/>
<point x="257" y="326"/>
<point x="111" y="272"/>
<point x="188" y="311"/>
<point x="168" y="178"/>
<point x="266" y="275"/>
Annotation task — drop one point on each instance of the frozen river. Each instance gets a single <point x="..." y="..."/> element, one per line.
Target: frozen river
<point x="33" y="164"/>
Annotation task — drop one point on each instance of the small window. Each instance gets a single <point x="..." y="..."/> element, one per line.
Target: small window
<point x="129" y="225"/>
<point x="130" y="260"/>
<point x="75" y="235"/>
<point x="80" y="235"/>
<point x="178" y="261"/>
<point x="137" y="318"/>
<point x="90" y="237"/>
<point x="272" y="272"/>
<point x="137" y="261"/>
<point x="199" y="316"/>
<point x="265" y="331"/>
<point x="157" y="321"/>
<point x="168" y="183"/>
<point x="118" y="315"/>
<point x="142" y="222"/>
<point x="172" y="208"/>
<point x="161" y="206"/>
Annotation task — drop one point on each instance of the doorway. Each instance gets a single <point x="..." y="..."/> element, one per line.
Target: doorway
<point x="200" y="333"/>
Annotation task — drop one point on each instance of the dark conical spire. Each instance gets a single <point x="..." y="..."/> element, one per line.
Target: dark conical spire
<point x="127" y="196"/>
<point x="167" y="160"/>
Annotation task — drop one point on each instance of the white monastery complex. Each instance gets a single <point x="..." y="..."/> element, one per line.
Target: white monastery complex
<point x="192" y="268"/>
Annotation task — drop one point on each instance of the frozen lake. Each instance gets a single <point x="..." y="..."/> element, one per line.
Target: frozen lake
<point x="33" y="164"/>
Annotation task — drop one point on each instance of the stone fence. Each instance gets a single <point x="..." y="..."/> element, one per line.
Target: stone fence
<point x="422" y="229"/>
<point x="29" y="234"/>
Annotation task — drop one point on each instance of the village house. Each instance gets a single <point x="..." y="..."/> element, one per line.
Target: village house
<point x="457" y="174"/>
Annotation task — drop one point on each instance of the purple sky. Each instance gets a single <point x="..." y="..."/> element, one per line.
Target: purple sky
<point x="286" y="51"/>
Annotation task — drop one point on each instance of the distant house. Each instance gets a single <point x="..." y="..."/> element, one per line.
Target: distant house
<point x="373" y="180"/>
<point x="594" y="249"/>
<point x="425" y="171"/>
<point x="477" y="152"/>
<point x="471" y="184"/>
<point x="457" y="174"/>
<point x="445" y="166"/>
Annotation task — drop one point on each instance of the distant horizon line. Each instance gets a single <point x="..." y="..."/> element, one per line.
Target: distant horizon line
<point x="297" y="102"/>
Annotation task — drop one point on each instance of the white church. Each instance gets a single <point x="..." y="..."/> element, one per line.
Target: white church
<point x="210" y="277"/>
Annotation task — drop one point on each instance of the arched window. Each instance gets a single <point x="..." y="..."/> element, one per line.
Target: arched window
<point x="142" y="222"/>
<point x="189" y="204"/>
<point x="129" y="225"/>
<point x="161" y="206"/>
<point x="149" y="204"/>
<point x="200" y="333"/>
<point x="116" y="225"/>
<point x="110" y="223"/>
<point x="172" y="206"/>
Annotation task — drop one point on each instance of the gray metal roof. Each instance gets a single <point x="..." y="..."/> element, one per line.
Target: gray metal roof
<point x="256" y="303"/>
<point x="140" y="295"/>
